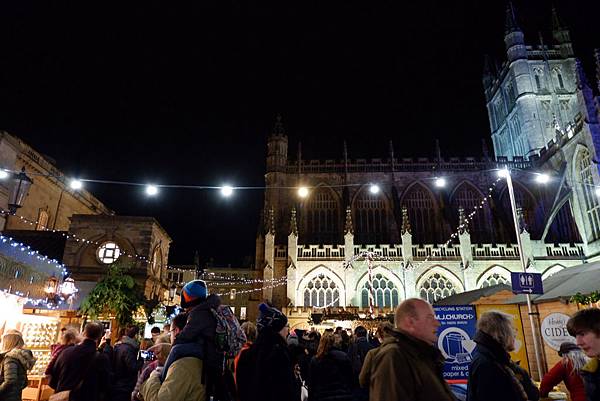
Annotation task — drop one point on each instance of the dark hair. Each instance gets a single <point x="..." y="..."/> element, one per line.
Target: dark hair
<point x="155" y="330"/>
<point x="180" y="321"/>
<point x="132" y="331"/>
<point x="584" y="320"/>
<point x="93" y="330"/>
<point x="360" y="331"/>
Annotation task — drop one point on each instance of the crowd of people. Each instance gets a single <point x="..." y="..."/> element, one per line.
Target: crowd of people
<point x="204" y="354"/>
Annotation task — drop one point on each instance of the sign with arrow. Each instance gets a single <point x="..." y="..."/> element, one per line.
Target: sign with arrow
<point x="526" y="283"/>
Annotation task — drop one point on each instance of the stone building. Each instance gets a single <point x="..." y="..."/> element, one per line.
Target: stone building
<point x="50" y="201"/>
<point x="543" y="119"/>
<point x="139" y="241"/>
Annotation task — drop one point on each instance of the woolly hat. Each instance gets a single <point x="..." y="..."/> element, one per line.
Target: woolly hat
<point x="270" y="317"/>
<point x="193" y="293"/>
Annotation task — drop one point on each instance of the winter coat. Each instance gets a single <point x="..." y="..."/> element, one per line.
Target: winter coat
<point x="13" y="373"/>
<point x="563" y="373"/>
<point x="330" y="377"/>
<point x="357" y="352"/>
<point x="591" y="379"/>
<point x="493" y="377"/>
<point x="56" y="350"/>
<point x="75" y="362"/>
<point x="201" y="323"/>
<point x="181" y="384"/>
<point x="405" y="368"/>
<point x="125" y="367"/>
<point x="265" y="372"/>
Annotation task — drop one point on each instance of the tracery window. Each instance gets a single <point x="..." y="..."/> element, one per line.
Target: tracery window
<point x="436" y="287"/>
<point x="587" y="188"/>
<point x="322" y="225"/>
<point x="421" y="213"/>
<point x="321" y="291"/>
<point x="371" y="219"/>
<point x="563" y="228"/>
<point x="385" y="293"/>
<point x="108" y="252"/>
<point x="480" y="227"/>
<point x="494" y="279"/>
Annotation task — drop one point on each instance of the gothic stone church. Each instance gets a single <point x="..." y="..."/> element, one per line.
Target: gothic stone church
<point x="543" y="118"/>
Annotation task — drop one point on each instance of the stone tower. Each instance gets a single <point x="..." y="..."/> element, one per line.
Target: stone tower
<point x="534" y="93"/>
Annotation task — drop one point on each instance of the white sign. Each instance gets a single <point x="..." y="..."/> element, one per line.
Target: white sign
<point x="554" y="330"/>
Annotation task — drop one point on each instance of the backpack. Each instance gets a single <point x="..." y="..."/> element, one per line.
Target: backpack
<point x="229" y="336"/>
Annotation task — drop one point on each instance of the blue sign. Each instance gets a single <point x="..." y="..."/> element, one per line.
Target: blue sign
<point x="455" y="339"/>
<point x="526" y="283"/>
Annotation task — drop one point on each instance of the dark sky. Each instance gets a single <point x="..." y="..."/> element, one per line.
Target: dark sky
<point x="185" y="92"/>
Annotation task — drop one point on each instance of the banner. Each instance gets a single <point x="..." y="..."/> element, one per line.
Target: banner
<point x="519" y="355"/>
<point x="455" y="334"/>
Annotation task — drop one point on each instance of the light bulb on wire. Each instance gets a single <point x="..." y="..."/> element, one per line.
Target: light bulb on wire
<point x="226" y="191"/>
<point x="303" y="192"/>
<point x="151" y="190"/>
<point x="76" y="184"/>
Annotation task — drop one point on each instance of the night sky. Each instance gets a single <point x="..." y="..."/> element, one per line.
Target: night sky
<point x="184" y="92"/>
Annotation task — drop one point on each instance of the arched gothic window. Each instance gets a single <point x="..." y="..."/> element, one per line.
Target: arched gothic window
<point x="385" y="293"/>
<point x="563" y="228"/>
<point x="528" y="205"/>
<point x="494" y="279"/>
<point x="480" y="225"/>
<point x="590" y="199"/>
<point x="371" y="219"/>
<point x="322" y="218"/>
<point x="436" y="287"/>
<point x="421" y="213"/>
<point x="321" y="291"/>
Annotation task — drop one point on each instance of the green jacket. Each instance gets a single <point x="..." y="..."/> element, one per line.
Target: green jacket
<point x="181" y="384"/>
<point x="405" y="368"/>
<point x="13" y="373"/>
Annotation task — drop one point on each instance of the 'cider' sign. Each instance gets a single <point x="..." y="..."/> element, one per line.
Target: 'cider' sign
<point x="554" y="330"/>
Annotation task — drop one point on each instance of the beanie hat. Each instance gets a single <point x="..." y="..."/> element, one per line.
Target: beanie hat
<point x="270" y="317"/>
<point x="193" y="293"/>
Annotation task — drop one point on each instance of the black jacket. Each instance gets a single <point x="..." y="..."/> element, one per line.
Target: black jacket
<point x="75" y="362"/>
<point x="125" y="366"/>
<point x="330" y="377"/>
<point x="357" y="353"/>
<point x="201" y="323"/>
<point x="591" y="379"/>
<point x="265" y="372"/>
<point x="488" y="378"/>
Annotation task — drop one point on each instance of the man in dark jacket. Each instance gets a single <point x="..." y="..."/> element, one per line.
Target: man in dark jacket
<point x="585" y="327"/>
<point x="125" y="364"/>
<point x="265" y="371"/>
<point x="82" y="369"/>
<point x="357" y="352"/>
<point x="407" y="366"/>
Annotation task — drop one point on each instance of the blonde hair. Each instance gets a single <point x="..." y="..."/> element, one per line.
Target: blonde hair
<point x="70" y="337"/>
<point x="12" y="340"/>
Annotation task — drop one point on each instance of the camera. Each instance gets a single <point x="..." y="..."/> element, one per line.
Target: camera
<point x="147" y="355"/>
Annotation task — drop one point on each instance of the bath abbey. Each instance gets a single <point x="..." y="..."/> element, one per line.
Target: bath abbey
<point x="355" y="232"/>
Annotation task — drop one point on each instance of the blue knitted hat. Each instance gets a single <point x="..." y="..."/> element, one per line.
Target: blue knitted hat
<point x="193" y="293"/>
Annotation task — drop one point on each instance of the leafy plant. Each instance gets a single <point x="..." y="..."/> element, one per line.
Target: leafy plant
<point x="116" y="294"/>
<point x="591" y="298"/>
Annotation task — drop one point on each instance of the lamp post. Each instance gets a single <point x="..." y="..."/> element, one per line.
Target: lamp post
<point x="172" y="290"/>
<point x="513" y="207"/>
<point x="20" y="184"/>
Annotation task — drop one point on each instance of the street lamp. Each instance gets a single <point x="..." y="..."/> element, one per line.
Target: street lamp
<point x="51" y="287"/>
<point x="68" y="289"/>
<point x="172" y="290"/>
<point x="20" y="184"/>
<point x="505" y="173"/>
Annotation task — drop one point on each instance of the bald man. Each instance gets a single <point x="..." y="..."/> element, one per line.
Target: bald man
<point x="408" y="365"/>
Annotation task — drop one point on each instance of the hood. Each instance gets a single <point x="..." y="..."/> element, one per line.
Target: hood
<point x="211" y="302"/>
<point x="129" y="341"/>
<point x="24" y="356"/>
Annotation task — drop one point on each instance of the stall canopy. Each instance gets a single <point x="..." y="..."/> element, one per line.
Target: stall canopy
<point x="583" y="279"/>
<point x="468" y="297"/>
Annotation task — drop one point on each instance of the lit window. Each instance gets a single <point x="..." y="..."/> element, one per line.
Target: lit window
<point x="321" y="291"/>
<point x="42" y="223"/>
<point x="232" y="294"/>
<point x="109" y="252"/>
<point x="243" y="313"/>
<point x="385" y="293"/>
<point x="436" y="287"/>
<point x="494" y="279"/>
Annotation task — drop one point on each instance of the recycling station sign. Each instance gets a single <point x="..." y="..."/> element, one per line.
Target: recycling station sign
<point x="455" y="339"/>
